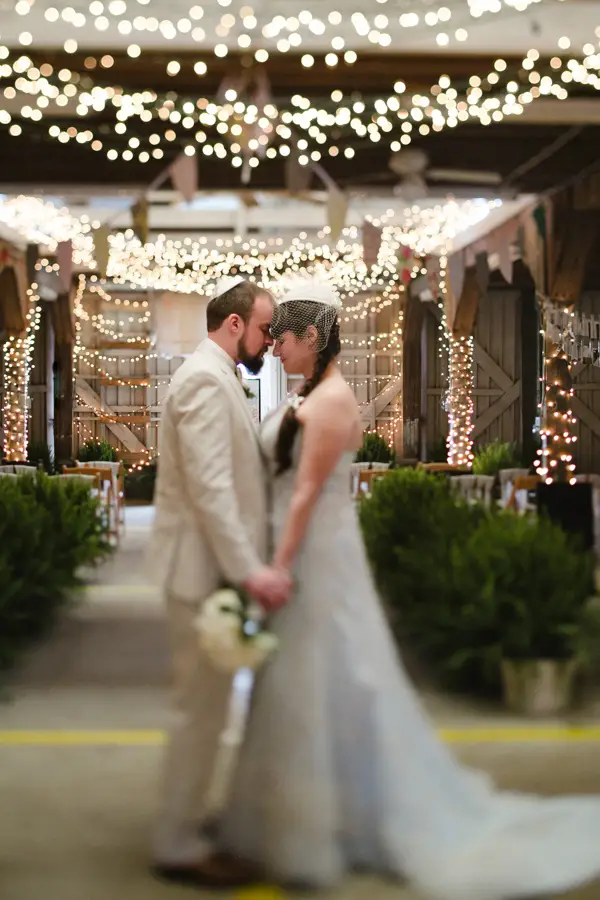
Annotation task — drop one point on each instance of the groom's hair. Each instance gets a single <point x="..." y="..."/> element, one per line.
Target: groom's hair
<point x="239" y="301"/>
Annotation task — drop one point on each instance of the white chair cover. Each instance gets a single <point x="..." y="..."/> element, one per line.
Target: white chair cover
<point x="114" y="468"/>
<point x="474" y="488"/>
<point x="507" y="477"/>
<point x="90" y="479"/>
<point x="357" y="468"/>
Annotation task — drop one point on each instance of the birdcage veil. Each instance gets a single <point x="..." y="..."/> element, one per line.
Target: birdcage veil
<point x="307" y="302"/>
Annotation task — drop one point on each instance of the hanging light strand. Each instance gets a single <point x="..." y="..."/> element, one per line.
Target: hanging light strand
<point x="460" y="413"/>
<point x="18" y="352"/>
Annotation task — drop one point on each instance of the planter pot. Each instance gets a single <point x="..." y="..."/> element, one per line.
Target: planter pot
<point x="538" y="687"/>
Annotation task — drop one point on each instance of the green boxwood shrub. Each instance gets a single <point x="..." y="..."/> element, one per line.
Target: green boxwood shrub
<point x="49" y="529"/>
<point x="374" y="449"/>
<point x="492" y="458"/>
<point x="97" y="451"/>
<point x="465" y="587"/>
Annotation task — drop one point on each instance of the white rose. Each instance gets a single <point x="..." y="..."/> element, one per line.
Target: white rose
<point x="222" y="603"/>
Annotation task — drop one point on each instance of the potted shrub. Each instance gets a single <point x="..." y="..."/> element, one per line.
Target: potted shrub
<point x="492" y="458"/>
<point x="413" y="527"/>
<point x="54" y="526"/>
<point x="487" y="600"/>
<point x="97" y="451"/>
<point x="374" y="450"/>
<point x="535" y="585"/>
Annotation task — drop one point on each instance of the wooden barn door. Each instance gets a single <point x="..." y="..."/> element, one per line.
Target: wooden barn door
<point x="506" y="347"/>
<point x="497" y="355"/>
<point x="434" y="385"/>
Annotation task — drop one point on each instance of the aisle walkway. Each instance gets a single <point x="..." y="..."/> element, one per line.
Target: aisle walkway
<point x="81" y="735"/>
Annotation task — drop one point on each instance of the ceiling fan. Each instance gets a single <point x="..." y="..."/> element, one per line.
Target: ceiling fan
<point x="412" y="167"/>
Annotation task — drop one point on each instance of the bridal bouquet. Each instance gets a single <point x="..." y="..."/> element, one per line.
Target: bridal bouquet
<point x="230" y="632"/>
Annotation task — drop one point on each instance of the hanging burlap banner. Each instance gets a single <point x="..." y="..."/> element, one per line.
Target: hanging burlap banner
<point x="101" y="249"/>
<point x="139" y="219"/>
<point x="337" y="207"/>
<point x="297" y="177"/>
<point x="184" y="175"/>
<point x="64" y="258"/>
<point x="371" y="236"/>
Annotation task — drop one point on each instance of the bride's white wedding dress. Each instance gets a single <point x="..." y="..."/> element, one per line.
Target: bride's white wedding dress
<point x="341" y="768"/>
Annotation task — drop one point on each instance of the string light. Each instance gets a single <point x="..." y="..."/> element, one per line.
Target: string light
<point x="41" y="222"/>
<point x="17" y="354"/>
<point x="460" y="393"/>
<point x="251" y="28"/>
<point x="194" y="266"/>
<point x="555" y="461"/>
<point x="252" y="131"/>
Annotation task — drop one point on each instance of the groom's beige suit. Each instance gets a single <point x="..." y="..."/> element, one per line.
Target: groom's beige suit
<point x="210" y="527"/>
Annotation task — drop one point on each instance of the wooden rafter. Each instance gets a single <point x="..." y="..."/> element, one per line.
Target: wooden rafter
<point x="466" y="308"/>
<point x="412" y="325"/>
<point x="580" y="234"/>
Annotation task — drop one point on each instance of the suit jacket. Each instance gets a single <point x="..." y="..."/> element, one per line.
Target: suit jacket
<point x="210" y="497"/>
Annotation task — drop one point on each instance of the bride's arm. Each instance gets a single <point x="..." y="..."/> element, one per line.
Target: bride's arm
<point x="326" y="433"/>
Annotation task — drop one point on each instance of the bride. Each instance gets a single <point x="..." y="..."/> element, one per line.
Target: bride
<point x="340" y="768"/>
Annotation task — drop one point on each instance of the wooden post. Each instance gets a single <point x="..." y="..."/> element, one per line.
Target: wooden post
<point x="63" y="412"/>
<point x="580" y="232"/>
<point x="411" y="377"/>
<point x="50" y="354"/>
<point x="461" y="370"/>
<point x="64" y="331"/>
<point x="466" y="308"/>
<point x="530" y="356"/>
<point x="39" y="386"/>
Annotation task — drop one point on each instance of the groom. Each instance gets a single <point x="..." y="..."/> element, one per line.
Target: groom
<point x="211" y="527"/>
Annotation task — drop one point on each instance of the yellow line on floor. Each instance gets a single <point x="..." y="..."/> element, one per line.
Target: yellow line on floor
<point x="521" y="734"/>
<point x="120" y="589"/>
<point x="266" y="892"/>
<point x="155" y="737"/>
<point x="94" y="738"/>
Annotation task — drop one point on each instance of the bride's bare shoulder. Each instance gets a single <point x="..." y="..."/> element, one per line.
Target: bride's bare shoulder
<point x="332" y="399"/>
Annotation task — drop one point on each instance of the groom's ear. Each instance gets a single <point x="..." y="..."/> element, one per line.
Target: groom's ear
<point x="235" y="323"/>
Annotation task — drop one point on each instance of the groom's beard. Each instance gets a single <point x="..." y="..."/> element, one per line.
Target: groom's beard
<point x="253" y="363"/>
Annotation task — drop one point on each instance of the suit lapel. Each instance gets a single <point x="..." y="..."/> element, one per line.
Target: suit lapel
<point x="234" y="387"/>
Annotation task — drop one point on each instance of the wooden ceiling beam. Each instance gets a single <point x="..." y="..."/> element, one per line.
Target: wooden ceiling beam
<point x="372" y="73"/>
<point x="37" y="159"/>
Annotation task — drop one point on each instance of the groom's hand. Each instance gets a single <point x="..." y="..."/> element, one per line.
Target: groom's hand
<point x="270" y="586"/>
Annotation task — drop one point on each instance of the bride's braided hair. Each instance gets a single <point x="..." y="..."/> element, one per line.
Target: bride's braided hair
<point x="297" y="325"/>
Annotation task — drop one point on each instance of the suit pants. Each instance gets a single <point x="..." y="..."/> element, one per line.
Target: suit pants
<point x="201" y="699"/>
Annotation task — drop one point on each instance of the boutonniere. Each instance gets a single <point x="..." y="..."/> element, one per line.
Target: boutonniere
<point x="296" y="402"/>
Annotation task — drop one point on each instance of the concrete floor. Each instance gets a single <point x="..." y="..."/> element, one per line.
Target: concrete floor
<point x="80" y="749"/>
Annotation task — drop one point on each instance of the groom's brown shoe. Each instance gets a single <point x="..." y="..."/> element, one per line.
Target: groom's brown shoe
<point x="217" y="872"/>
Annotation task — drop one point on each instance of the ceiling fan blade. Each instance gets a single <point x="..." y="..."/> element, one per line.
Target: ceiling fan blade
<point x="465" y="176"/>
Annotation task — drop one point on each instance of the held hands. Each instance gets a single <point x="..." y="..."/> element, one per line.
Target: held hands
<point x="271" y="587"/>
